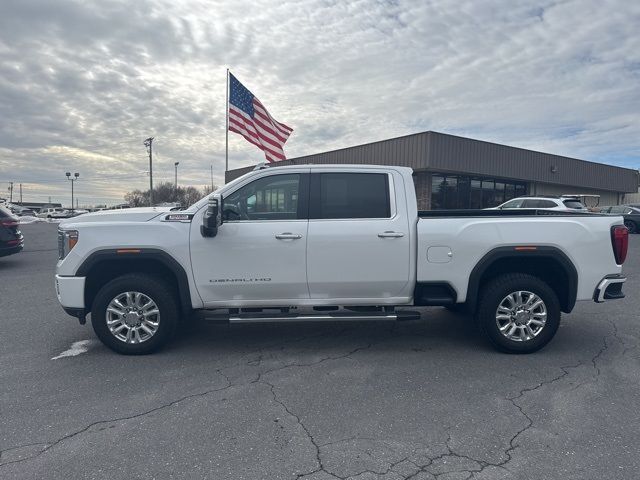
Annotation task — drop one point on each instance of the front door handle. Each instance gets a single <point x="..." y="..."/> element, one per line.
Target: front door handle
<point x="389" y="234"/>
<point x="288" y="236"/>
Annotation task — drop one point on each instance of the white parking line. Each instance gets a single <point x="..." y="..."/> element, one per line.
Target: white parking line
<point x="77" y="348"/>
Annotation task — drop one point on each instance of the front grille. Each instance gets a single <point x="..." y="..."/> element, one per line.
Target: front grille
<point x="60" y="244"/>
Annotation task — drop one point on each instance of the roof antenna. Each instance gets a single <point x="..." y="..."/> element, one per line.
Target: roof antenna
<point x="260" y="166"/>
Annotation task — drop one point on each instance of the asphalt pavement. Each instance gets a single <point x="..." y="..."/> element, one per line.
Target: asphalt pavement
<point x="422" y="399"/>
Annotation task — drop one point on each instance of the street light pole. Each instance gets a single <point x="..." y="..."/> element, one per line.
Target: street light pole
<point x="176" y="165"/>
<point x="73" y="179"/>
<point x="149" y="144"/>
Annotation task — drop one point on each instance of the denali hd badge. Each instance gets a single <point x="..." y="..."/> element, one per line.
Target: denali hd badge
<point x="178" y="217"/>
<point x="239" y="280"/>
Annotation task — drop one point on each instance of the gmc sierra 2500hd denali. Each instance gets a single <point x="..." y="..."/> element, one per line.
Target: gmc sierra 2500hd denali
<point x="332" y="242"/>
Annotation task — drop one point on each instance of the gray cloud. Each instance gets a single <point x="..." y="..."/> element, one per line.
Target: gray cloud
<point x="82" y="84"/>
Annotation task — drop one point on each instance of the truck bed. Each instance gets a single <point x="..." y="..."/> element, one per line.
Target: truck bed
<point x="502" y="213"/>
<point x="452" y="242"/>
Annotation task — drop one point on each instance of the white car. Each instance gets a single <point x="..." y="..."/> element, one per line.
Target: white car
<point x="566" y="203"/>
<point x="53" y="213"/>
<point x="332" y="242"/>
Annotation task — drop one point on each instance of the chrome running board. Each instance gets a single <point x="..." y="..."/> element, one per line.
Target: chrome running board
<point x="320" y="317"/>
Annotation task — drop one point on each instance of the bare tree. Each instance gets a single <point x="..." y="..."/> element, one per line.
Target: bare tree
<point x="166" y="193"/>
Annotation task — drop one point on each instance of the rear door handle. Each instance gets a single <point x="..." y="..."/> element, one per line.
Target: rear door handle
<point x="389" y="234"/>
<point x="288" y="236"/>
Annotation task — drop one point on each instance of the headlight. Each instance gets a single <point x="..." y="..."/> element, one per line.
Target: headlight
<point x="67" y="239"/>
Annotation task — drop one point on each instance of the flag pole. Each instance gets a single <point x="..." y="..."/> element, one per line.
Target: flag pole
<point x="226" y="133"/>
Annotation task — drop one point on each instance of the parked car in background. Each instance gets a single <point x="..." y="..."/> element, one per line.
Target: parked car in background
<point x="565" y="203"/>
<point x="631" y="216"/>
<point x="78" y="211"/>
<point x="11" y="240"/>
<point x="26" y="212"/>
<point x="21" y="211"/>
<point x="55" y="212"/>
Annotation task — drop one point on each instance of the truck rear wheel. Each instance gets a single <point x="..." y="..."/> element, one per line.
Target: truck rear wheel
<point x="134" y="314"/>
<point x="518" y="313"/>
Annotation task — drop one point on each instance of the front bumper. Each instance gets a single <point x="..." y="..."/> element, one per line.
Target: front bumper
<point x="609" y="288"/>
<point x="70" y="291"/>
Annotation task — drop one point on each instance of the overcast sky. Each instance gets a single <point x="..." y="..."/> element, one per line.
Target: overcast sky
<point x="83" y="83"/>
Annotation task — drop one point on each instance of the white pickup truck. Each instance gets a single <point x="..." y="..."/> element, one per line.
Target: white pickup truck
<point x="332" y="242"/>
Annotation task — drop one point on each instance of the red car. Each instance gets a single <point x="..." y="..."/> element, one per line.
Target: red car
<point x="11" y="240"/>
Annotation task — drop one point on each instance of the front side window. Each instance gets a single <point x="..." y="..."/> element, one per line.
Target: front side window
<point x="269" y="198"/>
<point x="349" y="195"/>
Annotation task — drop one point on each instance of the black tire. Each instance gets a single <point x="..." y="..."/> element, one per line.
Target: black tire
<point x="156" y="290"/>
<point x="496" y="291"/>
<point x="633" y="228"/>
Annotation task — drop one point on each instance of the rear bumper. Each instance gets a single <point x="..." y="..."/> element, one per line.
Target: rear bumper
<point x="609" y="288"/>
<point x="10" y="250"/>
<point x="70" y="292"/>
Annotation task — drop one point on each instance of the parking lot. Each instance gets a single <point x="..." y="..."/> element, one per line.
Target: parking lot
<point x="422" y="399"/>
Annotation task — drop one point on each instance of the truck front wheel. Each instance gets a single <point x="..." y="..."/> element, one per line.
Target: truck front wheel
<point x="135" y="314"/>
<point x="518" y="313"/>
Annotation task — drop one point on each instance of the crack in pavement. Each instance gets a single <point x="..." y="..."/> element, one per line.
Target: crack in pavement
<point x="596" y="357"/>
<point x="625" y="348"/>
<point x="302" y="425"/>
<point x="296" y="417"/>
<point x="50" y="445"/>
<point x="302" y="365"/>
<point x="422" y="468"/>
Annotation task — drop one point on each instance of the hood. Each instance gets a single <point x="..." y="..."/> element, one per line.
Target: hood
<point x="141" y="214"/>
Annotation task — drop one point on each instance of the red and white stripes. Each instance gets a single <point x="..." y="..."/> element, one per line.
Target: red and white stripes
<point x="262" y="130"/>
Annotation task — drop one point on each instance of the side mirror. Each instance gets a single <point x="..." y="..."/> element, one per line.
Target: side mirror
<point x="212" y="218"/>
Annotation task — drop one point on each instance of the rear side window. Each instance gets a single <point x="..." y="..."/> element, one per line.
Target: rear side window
<point x="349" y="195"/>
<point x="575" y="204"/>
<point x="533" y="203"/>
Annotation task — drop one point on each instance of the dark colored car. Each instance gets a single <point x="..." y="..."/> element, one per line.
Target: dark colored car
<point x="22" y="211"/>
<point x="11" y="240"/>
<point x="631" y="216"/>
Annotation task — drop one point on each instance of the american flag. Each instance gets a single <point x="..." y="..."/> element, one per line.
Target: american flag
<point x="249" y="118"/>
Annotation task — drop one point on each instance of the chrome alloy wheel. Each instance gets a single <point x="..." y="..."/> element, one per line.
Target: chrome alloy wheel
<point x="521" y="316"/>
<point x="133" y="317"/>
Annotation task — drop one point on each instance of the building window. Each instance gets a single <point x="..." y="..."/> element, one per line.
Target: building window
<point x="476" y="194"/>
<point x="450" y="192"/>
<point x="458" y="191"/>
<point x="437" y="192"/>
